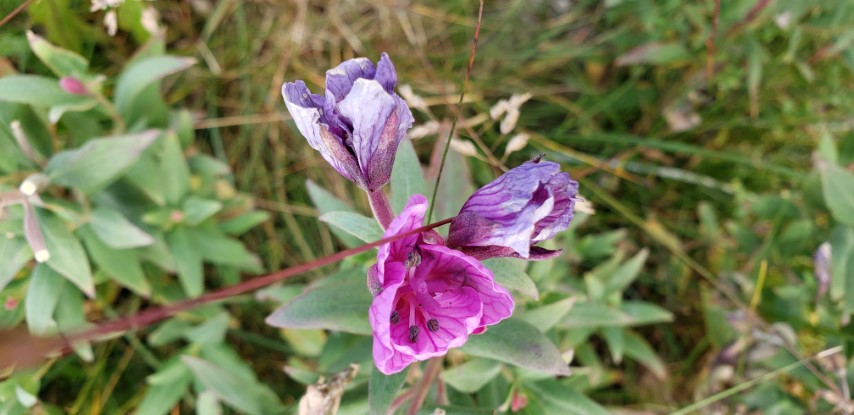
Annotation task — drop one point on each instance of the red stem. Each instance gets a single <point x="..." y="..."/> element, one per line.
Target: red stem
<point x="380" y="207"/>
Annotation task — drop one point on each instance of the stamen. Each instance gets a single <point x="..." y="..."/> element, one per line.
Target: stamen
<point x="413" y="334"/>
<point x="395" y="317"/>
<point x="433" y="325"/>
<point x="413" y="259"/>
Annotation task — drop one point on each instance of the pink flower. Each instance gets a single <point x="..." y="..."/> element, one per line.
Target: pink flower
<point x="428" y="297"/>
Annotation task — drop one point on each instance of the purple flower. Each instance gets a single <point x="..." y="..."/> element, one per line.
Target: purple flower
<point x="357" y="125"/>
<point x="73" y="86"/>
<point x="428" y="297"/>
<point x="526" y="205"/>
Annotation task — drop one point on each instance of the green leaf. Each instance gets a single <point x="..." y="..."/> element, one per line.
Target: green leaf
<point x="616" y="342"/>
<point x="14" y="254"/>
<point x="42" y="297"/>
<point x="38" y="91"/>
<point x="242" y="394"/>
<point x="598" y="314"/>
<point x="838" y="187"/>
<point x="407" y="178"/>
<point x="116" y="231"/>
<point x="196" y="210"/>
<point x="842" y="265"/>
<point x="61" y="62"/>
<point x="162" y="396"/>
<point x="382" y="389"/>
<point x="641" y="313"/>
<point x="654" y="53"/>
<point x="510" y="273"/>
<point x="638" y="349"/>
<point x="67" y="256"/>
<point x="174" y="166"/>
<point x="216" y="247"/>
<point x="143" y="73"/>
<point x="123" y="266"/>
<point x="99" y="161"/>
<point x="626" y="273"/>
<point x="519" y="343"/>
<point x="241" y="224"/>
<point x="562" y="399"/>
<point x="71" y="317"/>
<point x="211" y="331"/>
<point x="454" y="188"/>
<point x="362" y="227"/>
<point x="340" y="307"/>
<point x="545" y="317"/>
<point x="325" y="203"/>
<point x="188" y="261"/>
<point x="470" y="376"/>
<point x="208" y="404"/>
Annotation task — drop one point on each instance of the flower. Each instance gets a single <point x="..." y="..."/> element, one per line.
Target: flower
<point x="526" y="205"/>
<point x="73" y="86"/>
<point x="358" y="124"/>
<point x="428" y="297"/>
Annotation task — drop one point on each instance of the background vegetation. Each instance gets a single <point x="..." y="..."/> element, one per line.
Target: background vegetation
<point x="714" y="140"/>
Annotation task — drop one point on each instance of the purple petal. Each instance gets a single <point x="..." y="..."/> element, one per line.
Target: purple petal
<point x="565" y="191"/>
<point x="410" y="218"/>
<point x="458" y="313"/>
<point x="486" y="252"/>
<point x="340" y="79"/>
<point x="386" y="75"/>
<point x="448" y="266"/>
<point x="306" y="110"/>
<point x="380" y="121"/>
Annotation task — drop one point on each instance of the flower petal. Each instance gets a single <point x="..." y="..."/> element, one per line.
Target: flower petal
<point x="380" y="121"/>
<point x="340" y="79"/>
<point x="565" y="190"/>
<point x="386" y="75"/>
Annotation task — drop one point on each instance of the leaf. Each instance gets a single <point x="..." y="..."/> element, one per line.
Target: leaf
<point x="123" y="266"/>
<point x="61" y="62"/>
<point x="545" y="317"/>
<point x="362" y="227"/>
<point x="196" y="209"/>
<point x="242" y="394"/>
<point x="838" y="187"/>
<point x="71" y="317"/>
<point x="188" y="261"/>
<point x="42" y="297"/>
<point x="564" y="400"/>
<point x="208" y="404"/>
<point x="382" y="389"/>
<point x="67" y="256"/>
<point x="455" y="186"/>
<point x="340" y="307"/>
<point x="14" y="254"/>
<point x="38" y="91"/>
<point x="216" y="247"/>
<point x="162" y="396"/>
<point x="407" y="178"/>
<point x="116" y="231"/>
<point x="638" y="349"/>
<point x="616" y="342"/>
<point x="644" y="313"/>
<point x="597" y="314"/>
<point x="470" y="376"/>
<point x="174" y="166"/>
<point x="241" y="224"/>
<point x="510" y="273"/>
<point x="842" y="265"/>
<point x="626" y="273"/>
<point x="143" y="73"/>
<point x="325" y="203"/>
<point x="519" y="343"/>
<point x="99" y="161"/>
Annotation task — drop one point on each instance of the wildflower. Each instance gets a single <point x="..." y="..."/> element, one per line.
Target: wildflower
<point x="358" y="124"/>
<point x="526" y="205"/>
<point x="428" y="297"/>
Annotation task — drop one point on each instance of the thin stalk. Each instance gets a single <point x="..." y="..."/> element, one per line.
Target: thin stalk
<point x="380" y="207"/>
<point x="457" y="114"/>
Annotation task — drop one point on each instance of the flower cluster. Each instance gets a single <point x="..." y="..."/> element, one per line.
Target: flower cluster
<point x="430" y="293"/>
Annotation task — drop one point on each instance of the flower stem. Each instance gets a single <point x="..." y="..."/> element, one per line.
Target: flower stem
<point x="431" y="372"/>
<point x="381" y="208"/>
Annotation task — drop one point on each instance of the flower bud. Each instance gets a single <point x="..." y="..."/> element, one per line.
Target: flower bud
<point x="526" y="205"/>
<point x="73" y="86"/>
<point x="357" y="125"/>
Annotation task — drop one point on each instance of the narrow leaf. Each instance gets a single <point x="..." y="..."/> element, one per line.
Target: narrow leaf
<point x="407" y="178"/>
<point x="116" y="231"/>
<point x="638" y="349"/>
<point x="362" y="227"/>
<point x="545" y="317"/>
<point x="62" y="62"/>
<point x="470" y="376"/>
<point x="143" y="73"/>
<point x="239" y="393"/>
<point x="38" y="91"/>
<point x="42" y="297"/>
<point x="188" y="261"/>
<point x="121" y="265"/>
<point x="838" y="186"/>
<point x="99" y="161"/>
<point x="326" y="202"/>
<point x="519" y="343"/>
<point x="14" y="254"/>
<point x="341" y="307"/>
<point x="67" y="256"/>
<point x="382" y="389"/>
<point x="510" y="273"/>
<point x="174" y="166"/>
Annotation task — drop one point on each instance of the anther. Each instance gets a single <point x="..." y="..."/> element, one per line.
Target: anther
<point x="433" y="325"/>
<point x="395" y="317"/>
<point x="413" y="259"/>
<point x="413" y="334"/>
